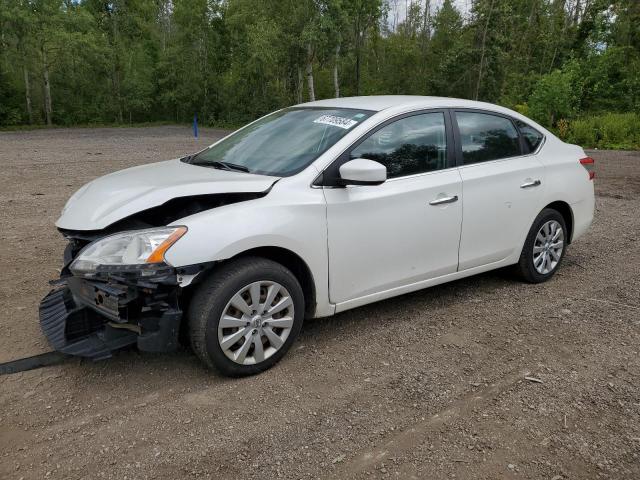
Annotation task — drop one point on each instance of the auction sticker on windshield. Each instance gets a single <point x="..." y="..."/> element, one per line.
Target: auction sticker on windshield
<point x="340" y="122"/>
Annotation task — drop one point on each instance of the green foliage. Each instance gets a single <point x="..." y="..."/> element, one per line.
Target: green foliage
<point x="10" y="112"/>
<point x="612" y="80"/>
<point x="611" y="130"/>
<point x="557" y="95"/>
<point x="230" y="61"/>
<point x="522" y="108"/>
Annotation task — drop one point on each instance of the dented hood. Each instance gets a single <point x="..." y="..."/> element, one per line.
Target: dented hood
<point x="113" y="197"/>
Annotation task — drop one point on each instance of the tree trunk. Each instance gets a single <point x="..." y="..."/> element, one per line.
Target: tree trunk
<point x="524" y="38"/>
<point x="357" y="62"/>
<point x="336" y="83"/>
<point x="312" y="92"/>
<point x="205" y="76"/>
<point x="426" y="25"/>
<point x="299" y="85"/>
<point x="556" y="6"/>
<point x="27" y="93"/>
<point x="48" y="111"/>
<point x="116" y="89"/>
<point x="4" y="49"/>
<point x="27" y="85"/>
<point x="484" y="41"/>
<point x="576" y="13"/>
<point x="116" y="64"/>
<point x="165" y="22"/>
<point x="358" y="39"/>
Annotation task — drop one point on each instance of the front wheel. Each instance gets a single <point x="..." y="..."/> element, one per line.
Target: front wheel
<point x="245" y="316"/>
<point x="544" y="247"/>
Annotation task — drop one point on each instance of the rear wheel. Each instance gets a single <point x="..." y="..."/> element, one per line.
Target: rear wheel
<point x="244" y="317"/>
<point x="544" y="247"/>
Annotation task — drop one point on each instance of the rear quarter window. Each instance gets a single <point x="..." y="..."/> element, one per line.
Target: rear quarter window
<point x="532" y="137"/>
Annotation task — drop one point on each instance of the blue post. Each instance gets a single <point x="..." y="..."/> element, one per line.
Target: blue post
<point x="195" y="125"/>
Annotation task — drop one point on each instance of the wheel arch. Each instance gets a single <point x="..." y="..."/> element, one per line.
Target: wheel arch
<point x="564" y="209"/>
<point x="293" y="262"/>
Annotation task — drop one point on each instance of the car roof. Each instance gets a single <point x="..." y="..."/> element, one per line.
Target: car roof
<point x="382" y="102"/>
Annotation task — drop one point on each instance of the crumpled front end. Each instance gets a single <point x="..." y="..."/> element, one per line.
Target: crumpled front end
<point x="105" y="298"/>
<point x="92" y="317"/>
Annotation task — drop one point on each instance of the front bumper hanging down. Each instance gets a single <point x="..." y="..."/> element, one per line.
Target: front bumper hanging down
<point x="93" y="317"/>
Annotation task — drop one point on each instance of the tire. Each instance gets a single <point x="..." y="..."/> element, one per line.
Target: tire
<point x="262" y="340"/>
<point x="529" y="267"/>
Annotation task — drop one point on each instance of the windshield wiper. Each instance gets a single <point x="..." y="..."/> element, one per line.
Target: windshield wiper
<point x="225" y="166"/>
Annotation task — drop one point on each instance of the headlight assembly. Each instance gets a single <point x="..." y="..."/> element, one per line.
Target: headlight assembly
<point x="132" y="249"/>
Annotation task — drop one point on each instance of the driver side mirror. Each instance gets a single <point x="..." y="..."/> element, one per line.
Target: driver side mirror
<point x="362" y="172"/>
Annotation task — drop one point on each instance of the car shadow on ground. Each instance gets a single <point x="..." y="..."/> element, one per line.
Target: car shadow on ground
<point x="315" y="332"/>
<point x="419" y="301"/>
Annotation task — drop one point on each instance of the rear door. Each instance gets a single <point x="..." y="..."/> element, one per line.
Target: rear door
<point x="503" y="186"/>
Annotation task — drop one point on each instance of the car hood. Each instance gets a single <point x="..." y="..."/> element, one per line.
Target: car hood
<point x="113" y="197"/>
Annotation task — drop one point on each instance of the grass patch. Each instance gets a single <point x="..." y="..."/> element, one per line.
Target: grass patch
<point x="613" y="131"/>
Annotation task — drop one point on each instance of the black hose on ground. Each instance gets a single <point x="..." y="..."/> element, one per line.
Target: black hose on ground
<point x="31" y="363"/>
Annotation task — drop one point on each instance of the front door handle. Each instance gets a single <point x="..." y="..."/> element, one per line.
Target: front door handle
<point x="532" y="183"/>
<point x="442" y="200"/>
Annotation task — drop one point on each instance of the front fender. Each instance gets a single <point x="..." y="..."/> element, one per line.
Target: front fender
<point x="224" y="232"/>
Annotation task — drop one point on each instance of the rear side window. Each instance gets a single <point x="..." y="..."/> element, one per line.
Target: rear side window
<point x="485" y="137"/>
<point x="532" y="137"/>
<point x="408" y="146"/>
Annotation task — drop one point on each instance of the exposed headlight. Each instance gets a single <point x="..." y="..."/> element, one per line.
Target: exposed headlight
<point x="127" y="249"/>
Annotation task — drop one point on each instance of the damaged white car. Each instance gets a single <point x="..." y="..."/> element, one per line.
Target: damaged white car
<point x="310" y="211"/>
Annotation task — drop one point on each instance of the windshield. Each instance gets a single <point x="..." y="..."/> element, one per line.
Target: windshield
<point x="282" y="143"/>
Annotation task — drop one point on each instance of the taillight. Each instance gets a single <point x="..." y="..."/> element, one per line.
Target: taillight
<point x="589" y="163"/>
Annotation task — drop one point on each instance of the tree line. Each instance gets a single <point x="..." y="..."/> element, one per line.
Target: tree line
<point x="67" y="62"/>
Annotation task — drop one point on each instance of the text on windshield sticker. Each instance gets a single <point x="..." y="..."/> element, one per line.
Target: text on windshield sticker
<point x="339" y="122"/>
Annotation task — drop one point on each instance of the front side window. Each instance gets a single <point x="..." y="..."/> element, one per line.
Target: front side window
<point x="532" y="137"/>
<point x="411" y="145"/>
<point x="282" y="143"/>
<point x="486" y="137"/>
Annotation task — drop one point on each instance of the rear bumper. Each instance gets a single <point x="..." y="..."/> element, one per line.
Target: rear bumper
<point x="583" y="213"/>
<point x="91" y="318"/>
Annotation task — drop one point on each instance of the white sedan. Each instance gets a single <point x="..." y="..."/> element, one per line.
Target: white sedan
<point x="307" y="212"/>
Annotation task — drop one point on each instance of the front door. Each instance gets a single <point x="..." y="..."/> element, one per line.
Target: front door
<point x="405" y="230"/>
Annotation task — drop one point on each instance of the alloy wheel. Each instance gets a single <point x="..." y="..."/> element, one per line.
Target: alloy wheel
<point x="256" y="322"/>
<point x="547" y="247"/>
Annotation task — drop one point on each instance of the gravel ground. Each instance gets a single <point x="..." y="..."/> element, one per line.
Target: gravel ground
<point x="428" y="385"/>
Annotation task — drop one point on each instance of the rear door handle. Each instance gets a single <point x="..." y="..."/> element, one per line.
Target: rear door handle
<point x="532" y="183"/>
<point x="443" y="200"/>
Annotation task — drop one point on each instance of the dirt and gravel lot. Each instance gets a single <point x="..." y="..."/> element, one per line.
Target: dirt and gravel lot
<point x="429" y="385"/>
